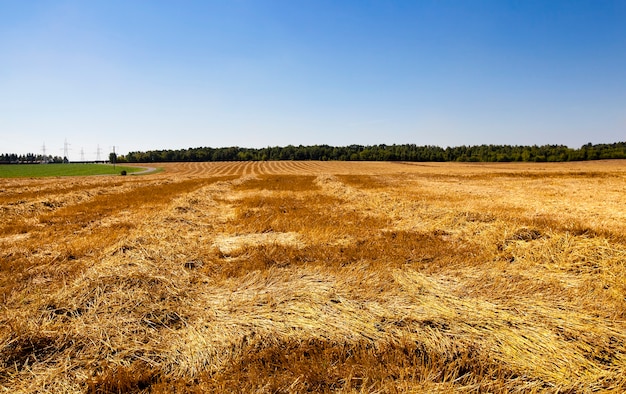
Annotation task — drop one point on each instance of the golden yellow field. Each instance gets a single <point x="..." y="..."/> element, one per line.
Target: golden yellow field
<point x="280" y="277"/>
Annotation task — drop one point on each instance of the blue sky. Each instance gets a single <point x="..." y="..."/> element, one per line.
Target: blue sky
<point x="143" y="75"/>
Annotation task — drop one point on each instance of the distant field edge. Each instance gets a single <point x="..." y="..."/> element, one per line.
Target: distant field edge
<point x="54" y="170"/>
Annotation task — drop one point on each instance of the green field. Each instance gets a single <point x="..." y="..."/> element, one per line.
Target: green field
<point x="46" y="170"/>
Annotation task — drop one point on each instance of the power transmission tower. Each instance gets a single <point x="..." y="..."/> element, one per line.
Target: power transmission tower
<point x="66" y="150"/>
<point x="98" y="151"/>
<point x="82" y="155"/>
<point x="43" y="149"/>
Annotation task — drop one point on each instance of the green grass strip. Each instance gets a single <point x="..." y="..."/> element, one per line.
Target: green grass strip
<point x="47" y="170"/>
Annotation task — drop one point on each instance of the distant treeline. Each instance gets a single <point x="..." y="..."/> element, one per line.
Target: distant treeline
<point x="405" y="152"/>
<point x="29" y="158"/>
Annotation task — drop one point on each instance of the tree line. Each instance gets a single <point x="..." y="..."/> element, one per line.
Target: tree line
<point x="382" y="152"/>
<point x="404" y="152"/>
<point x="29" y="158"/>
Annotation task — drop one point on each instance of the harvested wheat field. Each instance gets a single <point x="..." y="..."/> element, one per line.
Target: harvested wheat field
<point x="280" y="277"/>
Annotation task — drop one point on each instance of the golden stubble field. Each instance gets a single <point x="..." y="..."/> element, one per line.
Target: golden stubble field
<point x="280" y="277"/>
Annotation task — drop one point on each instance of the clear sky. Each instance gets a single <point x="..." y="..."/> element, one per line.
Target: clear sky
<point x="149" y="74"/>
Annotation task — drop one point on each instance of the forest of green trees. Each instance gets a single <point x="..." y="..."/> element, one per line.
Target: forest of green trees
<point x="405" y="152"/>
<point x="29" y="158"/>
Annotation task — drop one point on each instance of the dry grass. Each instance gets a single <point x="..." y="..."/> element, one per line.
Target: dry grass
<point x="316" y="277"/>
